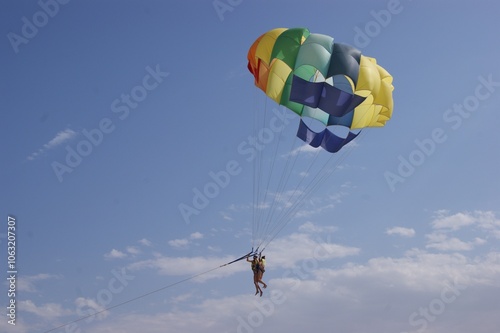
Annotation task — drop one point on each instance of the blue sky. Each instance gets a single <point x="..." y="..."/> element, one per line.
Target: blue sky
<point x="155" y="99"/>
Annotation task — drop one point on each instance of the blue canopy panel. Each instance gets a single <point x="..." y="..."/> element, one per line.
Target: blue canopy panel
<point x="345" y="120"/>
<point x="326" y="139"/>
<point x="345" y="61"/>
<point x="324" y="96"/>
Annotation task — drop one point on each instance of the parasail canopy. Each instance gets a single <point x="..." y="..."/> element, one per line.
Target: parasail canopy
<point x="315" y="77"/>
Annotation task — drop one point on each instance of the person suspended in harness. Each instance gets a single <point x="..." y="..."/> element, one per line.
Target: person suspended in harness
<point x="258" y="271"/>
<point x="262" y="269"/>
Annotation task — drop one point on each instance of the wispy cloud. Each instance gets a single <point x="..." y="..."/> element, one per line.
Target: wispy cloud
<point x="115" y="254"/>
<point x="133" y="250"/>
<point x="229" y="212"/>
<point x="196" y="235"/>
<point x="179" y="242"/>
<point x="453" y="222"/>
<point x="316" y="205"/>
<point x="145" y="242"/>
<point x="91" y="306"/>
<point x="446" y="225"/>
<point x="442" y="242"/>
<point x="301" y="150"/>
<point x="46" y="311"/>
<point x="486" y="221"/>
<point x="288" y="251"/>
<point x="307" y="149"/>
<point x="184" y="242"/>
<point x="182" y="298"/>
<point x="310" y="227"/>
<point x="483" y="219"/>
<point x="129" y="252"/>
<point x="400" y="231"/>
<point x="61" y="137"/>
<point x="27" y="282"/>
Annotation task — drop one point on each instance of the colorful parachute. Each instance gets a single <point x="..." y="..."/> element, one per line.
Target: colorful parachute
<point x="317" y="78"/>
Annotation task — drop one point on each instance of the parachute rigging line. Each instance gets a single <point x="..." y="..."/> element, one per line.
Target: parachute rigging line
<point x="287" y="215"/>
<point x="280" y="195"/>
<point x="318" y="78"/>
<point x="268" y="225"/>
<point x="265" y="218"/>
<point x="257" y="171"/>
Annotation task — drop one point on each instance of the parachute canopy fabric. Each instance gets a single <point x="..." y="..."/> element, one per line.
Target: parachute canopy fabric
<point x="317" y="78"/>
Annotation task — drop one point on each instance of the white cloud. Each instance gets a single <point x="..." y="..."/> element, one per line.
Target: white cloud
<point x="453" y="222"/>
<point x="299" y="203"/>
<point x="184" y="242"/>
<point x="310" y="227"/>
<point x="196" y="235"/>
<point x="228" y="213"/>
<point x="287" y="251"/>
<point x="348" y="185"/>
<point x="226" y="216"/>
<point x="61" y="137"/>
<point x="304" y="149"/>
<point x="145" y="242"/>
<point x="27" y="282"/>
<point x="479" y="241"/>
<point x="405" y="232"/>
<point x="182" y="298"/>
<point x="485" y="220"/>
<point x="214" y="248"/>
<point x="129" y="250"/>
<point x="496" y="234"/>
<point x="307" y="213"/>
<point x="47" y="311"/>
<point x="115" y="254"/>
<point x="133" y="250"/>
<point x="179" y="242"/>
<point x="442" y="242"/>
<point x="446" y="224"/>
<point x="308" y="149"/>
<point x="89" y="306"/>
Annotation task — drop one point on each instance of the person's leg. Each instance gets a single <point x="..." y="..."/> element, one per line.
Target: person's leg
<point x="261" y="274"/>
<point x="256" y="283"/>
